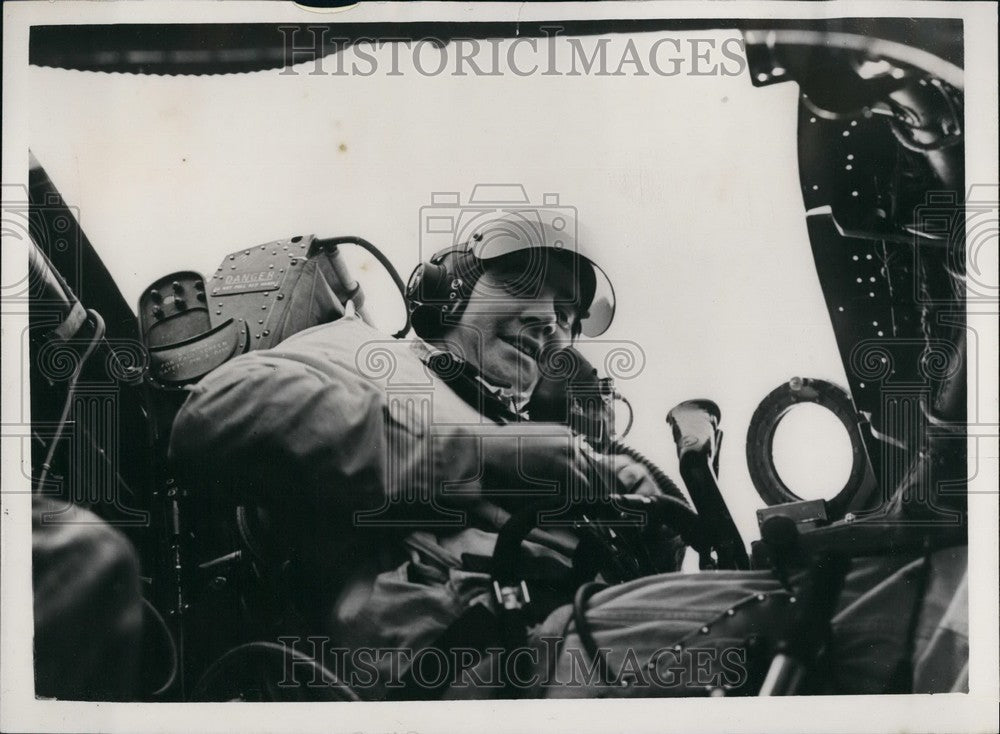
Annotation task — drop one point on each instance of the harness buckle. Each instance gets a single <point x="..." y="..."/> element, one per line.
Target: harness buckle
<point x="512" y="598"/>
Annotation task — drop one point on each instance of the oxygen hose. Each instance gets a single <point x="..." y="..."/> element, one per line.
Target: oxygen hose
<point x="665" y="483"/>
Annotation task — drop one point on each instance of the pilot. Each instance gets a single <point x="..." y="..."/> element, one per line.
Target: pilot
<point x="386" y="468"/>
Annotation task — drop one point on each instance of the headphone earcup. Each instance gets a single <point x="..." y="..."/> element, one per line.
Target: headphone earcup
<point x="423" y="294"/>
<point x="427" y="285"/>
<point x="437" y="289"/>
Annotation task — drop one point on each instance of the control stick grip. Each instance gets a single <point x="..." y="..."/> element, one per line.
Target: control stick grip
<point x="695" y="424"/>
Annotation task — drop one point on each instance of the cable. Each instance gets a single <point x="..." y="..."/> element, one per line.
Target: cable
<point x="665" y="483"/>
<point x="265" y="649"/>
<point x="384" y="262"/>
<point x="680" y="517"/>
<point x="99" y="331"/>
<point x="631" y="413"/>
<point x="172" y="645"/>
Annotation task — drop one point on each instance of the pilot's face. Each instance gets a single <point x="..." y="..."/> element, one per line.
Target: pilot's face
<point x="510" y="321"/>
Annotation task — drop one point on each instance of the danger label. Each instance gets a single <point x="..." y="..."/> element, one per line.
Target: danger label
<point x="249" y="282"/>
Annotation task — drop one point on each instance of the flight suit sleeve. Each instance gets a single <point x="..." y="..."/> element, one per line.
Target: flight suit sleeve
<point x="278" y="427"/>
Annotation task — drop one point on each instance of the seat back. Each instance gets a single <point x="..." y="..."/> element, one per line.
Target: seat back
<point x="256" y="298"/>
<point x="190" y="325"/>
